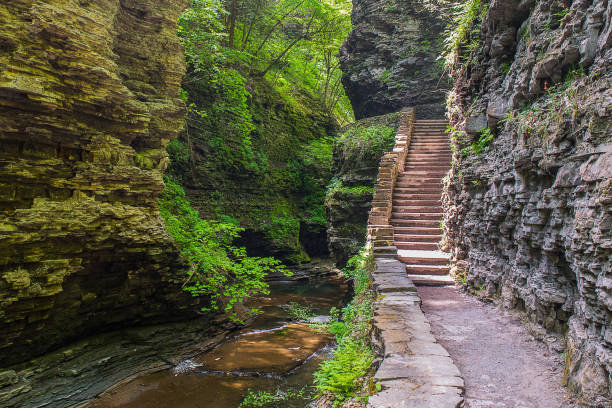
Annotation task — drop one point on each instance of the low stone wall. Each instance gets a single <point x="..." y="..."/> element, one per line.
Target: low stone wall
<point x="380" y="231"/>
<point x="415" y="371"/>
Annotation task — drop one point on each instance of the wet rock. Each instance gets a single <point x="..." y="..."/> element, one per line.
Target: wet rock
<point x="476" y="124"/>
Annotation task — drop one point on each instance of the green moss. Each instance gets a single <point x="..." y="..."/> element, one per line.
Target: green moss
<point x="273" y="180"/>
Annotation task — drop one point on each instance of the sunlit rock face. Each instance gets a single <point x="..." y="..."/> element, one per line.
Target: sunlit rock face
<point x="530" y="216"/>
<point x="390" y="59"/>
<point x="88" y="102"/>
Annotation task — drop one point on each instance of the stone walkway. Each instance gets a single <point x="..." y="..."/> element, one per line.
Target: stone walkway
<point x="502" y="365"/>
<point x="416" y="371"/>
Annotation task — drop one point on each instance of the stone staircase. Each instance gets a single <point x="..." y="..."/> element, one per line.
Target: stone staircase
<point x="416" y="210"/>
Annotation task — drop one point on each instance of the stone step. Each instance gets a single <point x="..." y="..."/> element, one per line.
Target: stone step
<point x="429" y="157"/>
<point x="416" y="223"/>
<point x="432" y="280"/>
<point x="408" y="260"/>
<point x="401" y="195"/>
<point x="417" y="230"/>
<point x="428" y="162"/>
<point x="417" y="185"/>
<point x="416" y="209"/>
<point x="420" y="246"/>
<point x="412" y="172"/>
<point x="437" y="189"/>
<point x="417" y="238"/>
<point x="431" y="215"/>
<point x="414" y="144"/>
<point x="428" y="151"/>
<point x="389" y="249"/>
<point x="427" y="269"/>
<point x="410" y="203"/>
<point x="425" y="180"/>
<point x="428" y="168"/>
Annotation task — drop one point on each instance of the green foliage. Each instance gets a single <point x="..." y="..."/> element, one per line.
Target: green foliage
<point x="218" y="270"/>
<point x="291" y="43"/>
<point x="313" y="169"/>
<point x="356" y="270"/>
<point x="366" y="141"/>
<point x="336" y="187"/>
<point x="299" y="312"/>
<point x="505" y="68"/>
<point x="343" y="375"/>
<point x="483" y="142"/>
<point x="265" y="399"/>
<point x="340" y="375"/>
<point x="463" y="36"/>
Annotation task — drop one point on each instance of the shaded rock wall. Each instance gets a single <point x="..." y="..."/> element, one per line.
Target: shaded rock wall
<point x="529" y="218"/>
<point x="390" y="59"/>
<point x="349" y="197"/>
<point x="88" y="103"/>
<point x="277" y="194"/>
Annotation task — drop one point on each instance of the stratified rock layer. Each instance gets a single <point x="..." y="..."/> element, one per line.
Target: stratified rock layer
<point x="529" y="218"/>
<point x="88" y="103"/>
<point x="390" y="59"/>
<point x="349" y="197"/>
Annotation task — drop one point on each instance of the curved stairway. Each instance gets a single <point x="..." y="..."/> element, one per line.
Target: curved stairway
<point x="417" y="211"/>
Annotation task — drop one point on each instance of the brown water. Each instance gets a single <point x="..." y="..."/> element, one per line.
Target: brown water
<point x="270" y="353"/>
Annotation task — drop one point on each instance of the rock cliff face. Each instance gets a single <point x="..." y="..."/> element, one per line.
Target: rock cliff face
<point x="390" y="59"/>
<point x="277" y="191"/>
<point x="88" y="103"/>
<point x="357" y="153"/>
<point x="529" y="199"/>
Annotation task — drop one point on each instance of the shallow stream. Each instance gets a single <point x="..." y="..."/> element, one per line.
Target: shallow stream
<point x="268" y="354"/>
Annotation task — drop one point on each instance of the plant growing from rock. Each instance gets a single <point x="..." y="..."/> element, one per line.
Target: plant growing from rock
<point x="222" y="272"/>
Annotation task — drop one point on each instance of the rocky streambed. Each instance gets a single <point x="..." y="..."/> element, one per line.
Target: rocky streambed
<point x="269" y="354"/>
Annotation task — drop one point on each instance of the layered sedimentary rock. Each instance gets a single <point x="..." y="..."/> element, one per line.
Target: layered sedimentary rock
<point x="349" y="197"/>
<point x="88" y="103"/>
<point x="529" y="199"/>
<point x="274" y="186"/>
<point x="390" y="59"/>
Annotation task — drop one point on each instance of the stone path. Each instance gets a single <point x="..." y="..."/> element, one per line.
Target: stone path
<point x="416" y="207"/>
<point x="416" y="371"/>
<point x="424" y="365"/>
<point x="502" y="365"/>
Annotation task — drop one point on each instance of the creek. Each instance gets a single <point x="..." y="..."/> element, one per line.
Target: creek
<point x="269" y="353"/>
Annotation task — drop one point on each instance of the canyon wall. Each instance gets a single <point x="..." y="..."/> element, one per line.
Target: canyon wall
<point x="88" y="102"/>
<point x="528" y="202"/>
<point x="356" y="156"/>
<point x="390" y="59"/>
<point x="271" y="182"/>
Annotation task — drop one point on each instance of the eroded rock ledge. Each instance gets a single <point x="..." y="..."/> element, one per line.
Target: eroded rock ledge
<point x="528" y="218"/>
<point x="390" y="59"/>
<point x="88" y="102"/>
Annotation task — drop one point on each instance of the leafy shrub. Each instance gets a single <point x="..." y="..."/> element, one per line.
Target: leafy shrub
<point x="218" y="270"/>
<point x="340" y="375"/>
<point x="366" y="141"/>
<point x="464" y="34"/>
<point x="300" y="313"/>
<point x="265" y="399"/>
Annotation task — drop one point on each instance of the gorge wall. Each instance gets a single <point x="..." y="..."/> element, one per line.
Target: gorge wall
<point x="528" y="205"/>
<point x="356" y="156"/>
<point x="88" y="102"/>
<point x="271" y="182"/>
<point x="390" y="59"/>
